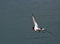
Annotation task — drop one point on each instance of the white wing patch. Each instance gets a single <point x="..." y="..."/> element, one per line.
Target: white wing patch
<point x="34" y="21"/>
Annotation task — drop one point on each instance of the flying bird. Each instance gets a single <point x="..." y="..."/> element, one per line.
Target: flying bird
<point x="36" y="27"/>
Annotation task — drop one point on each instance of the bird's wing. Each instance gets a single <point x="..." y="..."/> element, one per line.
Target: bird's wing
<point x="35" y="23"/>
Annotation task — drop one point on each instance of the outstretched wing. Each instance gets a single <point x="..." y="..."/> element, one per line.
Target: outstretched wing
<point x="34" y="21"/>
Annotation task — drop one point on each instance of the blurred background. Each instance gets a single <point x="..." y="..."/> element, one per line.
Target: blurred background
<point x="16" y="22"/>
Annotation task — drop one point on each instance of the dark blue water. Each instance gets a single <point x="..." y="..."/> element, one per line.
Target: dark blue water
<point x="16" y="22"/>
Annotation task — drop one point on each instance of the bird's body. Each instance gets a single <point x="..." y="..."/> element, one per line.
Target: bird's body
<point x="36" y="28"/>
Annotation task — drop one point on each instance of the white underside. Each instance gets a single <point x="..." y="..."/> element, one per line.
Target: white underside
<point x="36" y="28"/>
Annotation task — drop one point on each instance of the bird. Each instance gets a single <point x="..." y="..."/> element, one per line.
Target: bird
<point x="36" y="27"/>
